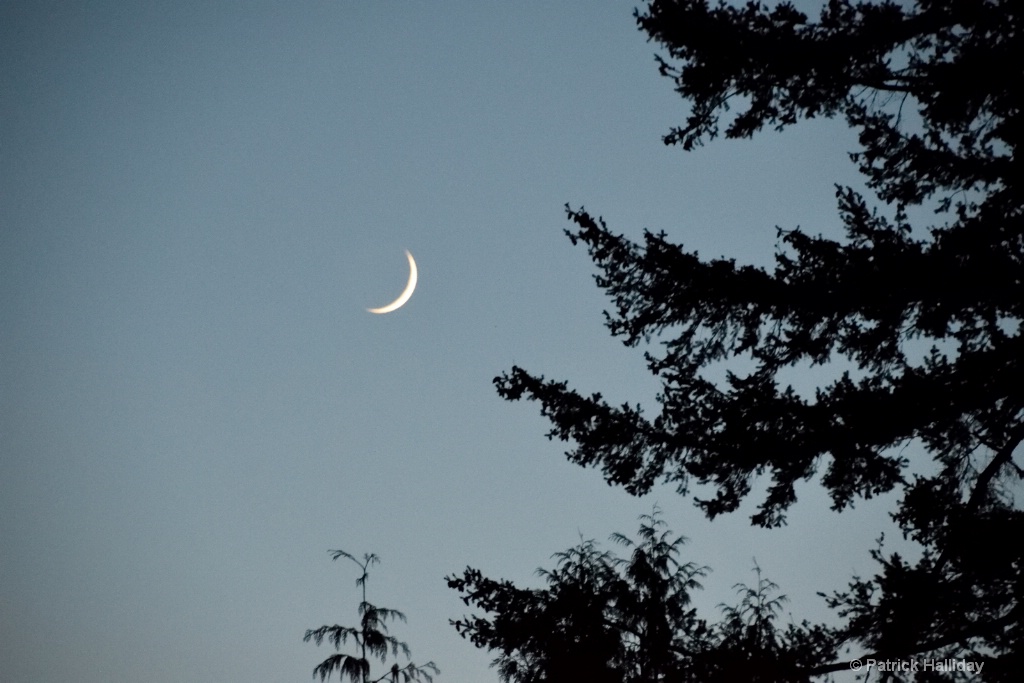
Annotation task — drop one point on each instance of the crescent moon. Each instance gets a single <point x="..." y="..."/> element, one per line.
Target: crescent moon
<point x="410" y="287"/>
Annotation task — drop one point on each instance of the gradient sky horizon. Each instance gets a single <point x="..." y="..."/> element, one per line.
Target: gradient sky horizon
<point x="199" y="201"/>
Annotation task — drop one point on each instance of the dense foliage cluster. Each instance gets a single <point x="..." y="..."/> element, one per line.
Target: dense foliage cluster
<point x="606" y="619"/>
<point x="934" y="91"/>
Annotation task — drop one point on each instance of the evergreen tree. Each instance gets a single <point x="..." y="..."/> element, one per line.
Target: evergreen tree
<point x="934" y="91"/>
<point x="609" y="619"/>
<point x="371" y="639"/>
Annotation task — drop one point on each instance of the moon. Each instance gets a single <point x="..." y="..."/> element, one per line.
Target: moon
<point x="410" y="287"/>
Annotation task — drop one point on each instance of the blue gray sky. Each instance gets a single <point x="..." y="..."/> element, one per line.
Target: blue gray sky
<point x="198" y="202"/>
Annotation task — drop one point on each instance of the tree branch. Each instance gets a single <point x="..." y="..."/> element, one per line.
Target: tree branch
<point x="1003" y="456"/>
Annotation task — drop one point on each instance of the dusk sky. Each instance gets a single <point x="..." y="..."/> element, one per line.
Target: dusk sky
<point x="198" y="203"/>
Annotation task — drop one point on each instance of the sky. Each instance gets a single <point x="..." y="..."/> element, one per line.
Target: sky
<point x="198" y="203"/>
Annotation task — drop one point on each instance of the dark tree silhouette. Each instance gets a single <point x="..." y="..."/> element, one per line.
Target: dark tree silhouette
<point x="934" y="91"/>
<point x="606" y="619"/>
<point x="371" y="639"/>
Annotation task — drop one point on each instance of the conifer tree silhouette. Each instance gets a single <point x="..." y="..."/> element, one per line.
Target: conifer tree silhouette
<point x="371" y="639"/>
<point x="917" y="312"/>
